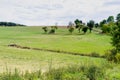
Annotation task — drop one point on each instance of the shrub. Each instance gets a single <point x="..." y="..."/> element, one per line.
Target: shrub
<point x="110" y="55"/>
<point x="94" y="73"/>
<point x="71" y="29"/>
<point x="84" y="29"/>
<point x="53" y="28"/>
<point x="117" y="57"/>
<point x="94" y="54"/>
<point x="106" y="28"/>
<point x="11" y="76"/>
<point x="45" y="29"/>
<point x="52" y="31"/>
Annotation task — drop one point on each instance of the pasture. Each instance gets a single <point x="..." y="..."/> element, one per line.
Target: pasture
<point x="62" y="40"/>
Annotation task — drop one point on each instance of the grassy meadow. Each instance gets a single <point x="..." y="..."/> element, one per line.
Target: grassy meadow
<point x="34" y="37"/>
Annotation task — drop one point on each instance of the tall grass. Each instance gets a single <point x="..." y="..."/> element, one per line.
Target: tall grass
<point x="88" y="71"/>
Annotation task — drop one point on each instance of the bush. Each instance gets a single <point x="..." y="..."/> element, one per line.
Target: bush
<point x="94" y="73"/>
<point x="45" y="29"/>
<point x="84" y="29"/>
<point x="113" y="55"/>
<point x="117" y="57"/>
<point x="94" y="54"/>
<point x="53" y="28"/>
<point x="106" y="28"/>
<point x="52" y="31"/>
<point x="71" y="29"/>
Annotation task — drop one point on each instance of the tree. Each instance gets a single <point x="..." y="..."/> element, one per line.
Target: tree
<point x="84" y="29"/>
<point x="96" y="25"/>
<point x="114" y="54"/>
<point x="108" y="28"/>
<point x="70" y="27"/>
<point x="116" y="37"/>
<point x="90" y="24"/>
<point x="53" y="28"/>
<point x="77" y="23"/>
<point x="103" y="22"/>
<point x="110" y="19"/>
<point x="45" y="29"/>
<point x="10" y="24"/>
<point x="70" y="24"/>
<point x="118" y="17"/>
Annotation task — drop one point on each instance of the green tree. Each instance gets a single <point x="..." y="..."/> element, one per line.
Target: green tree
<point x="103" y="22"/>
<point x="77" y="23"/>
<point x="110" y="19"/>
<point x="53" y="28"/>
<point x="96" y="25"/>
<point x="116" y="36"/>
<point x="70" y="27"/>
<point x="45" y="29"/>
<point x="84" y="29"/>
<point x="91" y="24"/>
<point x="118" y="17"/>
<point x="108" y="28"/>
<point x="114" y="54"/>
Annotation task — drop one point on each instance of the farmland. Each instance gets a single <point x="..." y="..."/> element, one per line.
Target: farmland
<point x="62" y="40"/>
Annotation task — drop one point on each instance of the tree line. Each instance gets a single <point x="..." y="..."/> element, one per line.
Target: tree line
<point x="10" y="24"/>
<point x="109" y="26"/>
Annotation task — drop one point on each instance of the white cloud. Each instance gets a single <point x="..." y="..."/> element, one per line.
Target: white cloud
<point x="48" y="12"/>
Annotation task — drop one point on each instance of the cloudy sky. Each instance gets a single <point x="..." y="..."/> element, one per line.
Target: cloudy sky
<point x="49" y="12"/>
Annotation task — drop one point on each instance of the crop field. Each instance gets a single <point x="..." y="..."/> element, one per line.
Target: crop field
<point x="62" y="40"/>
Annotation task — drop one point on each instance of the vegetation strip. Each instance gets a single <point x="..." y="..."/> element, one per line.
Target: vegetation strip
<point x="57" y="51"/>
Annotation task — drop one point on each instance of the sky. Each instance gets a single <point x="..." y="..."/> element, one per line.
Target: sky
<point x="50" y="12"/>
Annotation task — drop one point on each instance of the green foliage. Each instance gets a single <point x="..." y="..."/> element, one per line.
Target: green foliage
<point x="86" y="71"/>
<point x="32" y="75"/>
<point x="52" y="31"/>
<point x="84" y="29"/>
<point x="10" y="24"/>
<point x="45" y="29"/>
<point x="11" y="76"/>
<point x="117" y="57"/>
<point x="103" y="22"/>
<point x="94" y="73"/>
<point x="94" y="54"/>
<point x="76" y="72"/>
<point x="96" y="25"/>
<point x="108" y="28"/>
<point x="111" y="55"/>
<point x="118" y="17"/>
<point x="77" y="23"/>
<point x="53" y="28"/>
<point x="116" y="37"/>
<point x="110" y="19"/>
<point x="90" y="24"/>
<point x="71" y="29"/>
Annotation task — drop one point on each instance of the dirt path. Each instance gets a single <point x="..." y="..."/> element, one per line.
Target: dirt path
<point x="56" y="51"/>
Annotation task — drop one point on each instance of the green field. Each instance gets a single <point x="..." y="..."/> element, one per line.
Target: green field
<point x="34" y="37"/>
<point x="62" y="40"/>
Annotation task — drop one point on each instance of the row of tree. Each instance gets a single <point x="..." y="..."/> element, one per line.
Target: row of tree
<point x="109" y="25"/>
<point x="114" y="54"/>
<point x="81" y="26"/>
<point x="10" y="24"/>
<point x="106" y="25"/>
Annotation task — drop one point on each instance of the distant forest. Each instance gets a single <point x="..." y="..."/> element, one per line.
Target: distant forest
<point x="10" y="24"/>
